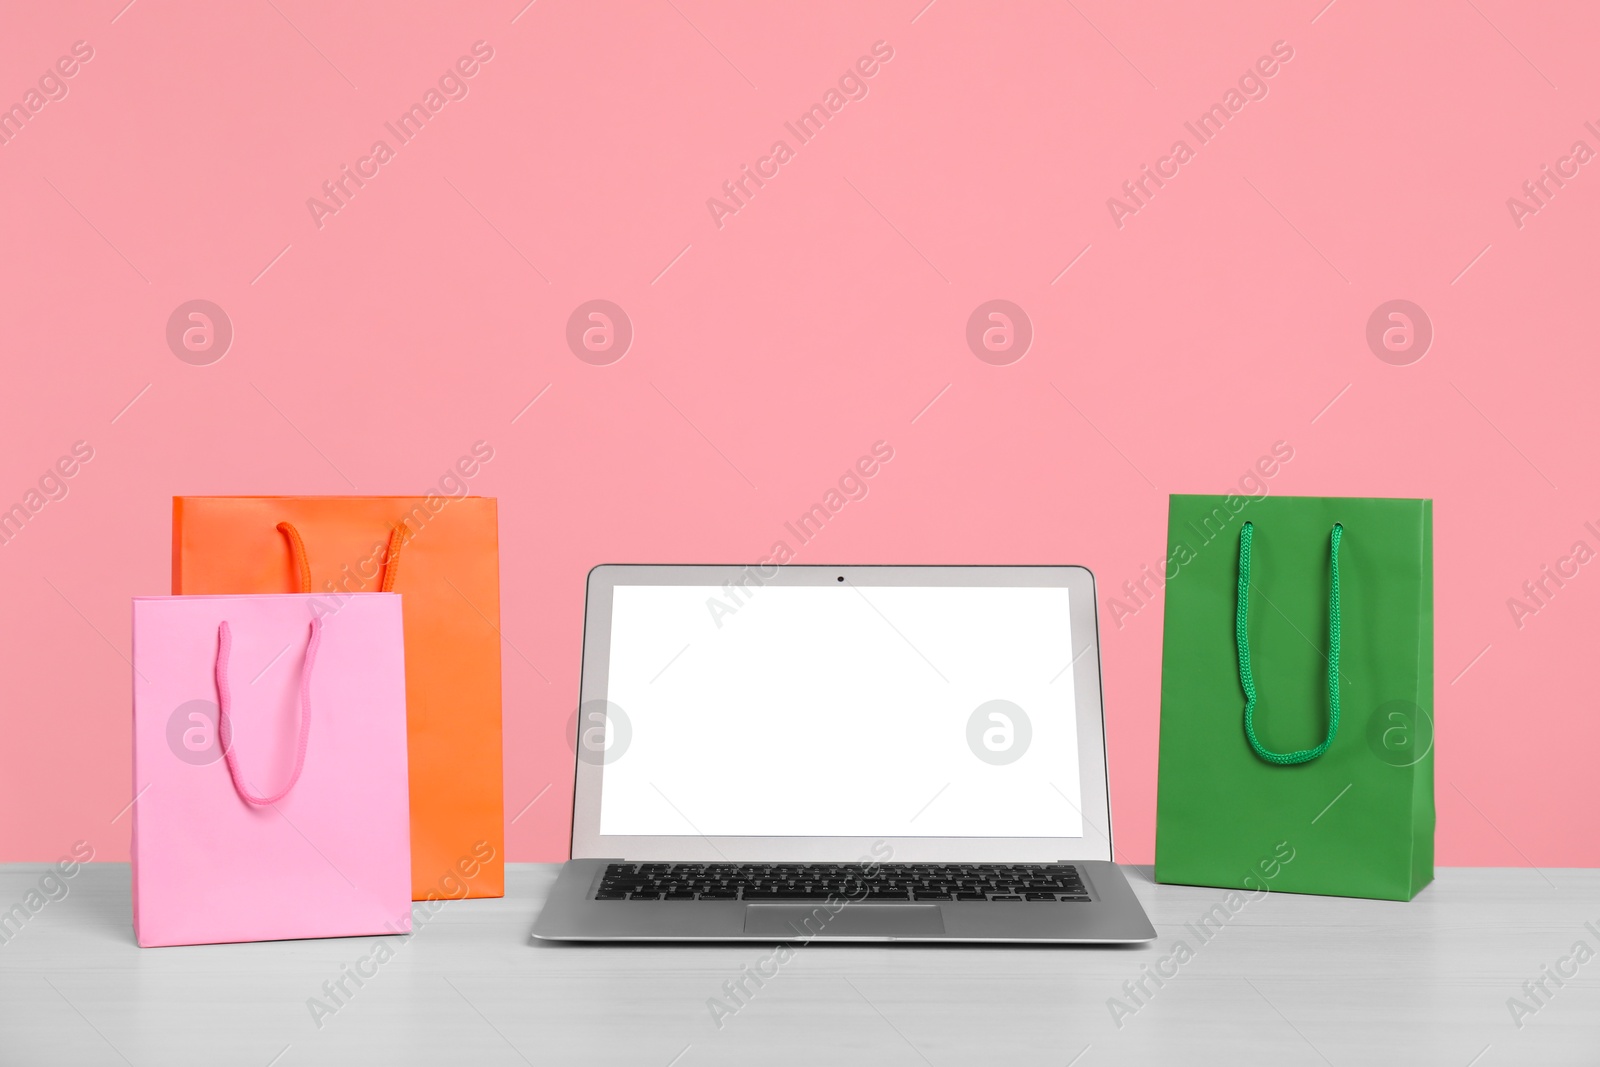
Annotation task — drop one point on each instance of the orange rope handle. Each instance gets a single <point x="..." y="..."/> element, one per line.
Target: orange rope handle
<point x="391" y="557"/>
<point x="297" y="549"/>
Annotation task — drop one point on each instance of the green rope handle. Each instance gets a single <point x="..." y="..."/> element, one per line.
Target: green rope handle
<point x="1247" y="676"/>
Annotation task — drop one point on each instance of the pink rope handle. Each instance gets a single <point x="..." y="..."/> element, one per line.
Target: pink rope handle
<point x="224" y="707"/>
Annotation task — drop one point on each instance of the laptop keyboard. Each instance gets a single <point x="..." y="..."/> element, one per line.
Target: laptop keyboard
<point x="1053" y="882"/>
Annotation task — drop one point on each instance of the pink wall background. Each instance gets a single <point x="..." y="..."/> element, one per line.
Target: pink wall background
<point x="829" y="312"/>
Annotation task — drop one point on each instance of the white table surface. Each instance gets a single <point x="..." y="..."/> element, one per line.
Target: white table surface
<point x="1289" y="980"/>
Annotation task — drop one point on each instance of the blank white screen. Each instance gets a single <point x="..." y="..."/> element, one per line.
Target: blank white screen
<point x="840" y="711"/>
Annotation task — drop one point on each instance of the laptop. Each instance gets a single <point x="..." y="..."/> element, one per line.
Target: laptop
<point x="801" y="753"/>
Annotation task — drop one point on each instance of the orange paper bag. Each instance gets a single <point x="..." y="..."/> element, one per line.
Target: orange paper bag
<point x="441" y="554"/>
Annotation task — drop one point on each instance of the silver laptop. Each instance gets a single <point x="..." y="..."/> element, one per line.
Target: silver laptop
<point x="797" y="753"/>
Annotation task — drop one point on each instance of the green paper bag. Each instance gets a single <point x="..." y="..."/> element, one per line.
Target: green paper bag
<point x="1293" y="790"/>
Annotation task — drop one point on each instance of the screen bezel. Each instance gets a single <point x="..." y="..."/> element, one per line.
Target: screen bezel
<point x="1094" y="785"/>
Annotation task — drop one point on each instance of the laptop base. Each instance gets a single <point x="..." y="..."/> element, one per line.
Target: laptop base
<point x="1113" y="915"/>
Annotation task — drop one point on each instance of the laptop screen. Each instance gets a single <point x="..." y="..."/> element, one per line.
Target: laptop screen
<point x="840" y="710"/>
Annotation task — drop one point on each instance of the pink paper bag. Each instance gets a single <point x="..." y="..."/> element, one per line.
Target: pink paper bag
<point x="269" y="766"/>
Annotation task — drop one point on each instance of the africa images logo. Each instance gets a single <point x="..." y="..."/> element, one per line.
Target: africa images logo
<point x="452" y="85"/>
<point x="852" y="85"/>
<point x="1252" y="85"/>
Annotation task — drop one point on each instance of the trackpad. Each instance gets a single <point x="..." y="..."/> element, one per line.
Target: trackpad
<point x="858" y="920"/>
